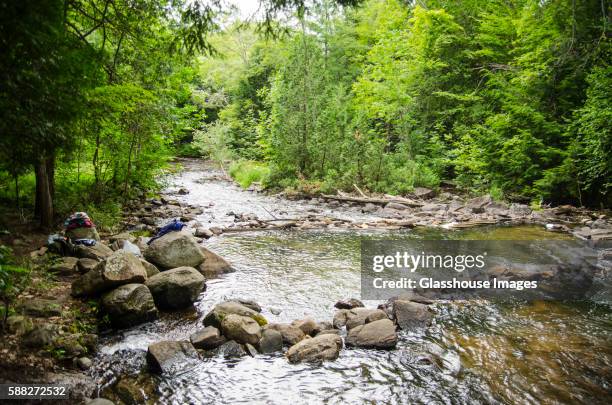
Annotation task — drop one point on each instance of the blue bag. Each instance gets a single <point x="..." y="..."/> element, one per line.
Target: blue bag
<point x="174" y="226"/>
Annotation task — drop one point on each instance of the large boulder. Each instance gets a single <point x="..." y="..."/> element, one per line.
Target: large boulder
<point x="40" y="307"/>
<point x="201" y="232"/>
<point x="170" y="356"/>
<point x="41" y="335"/>
<point x="349" y="303"/>
<point x="308" y="325"/>
<point x="271" y="341"/>
<point x="409" y="315"/>
<point x="213" y="264"/>
<point x="356" y="316"/>
<point x="175" y="249"/>
<point x="90" y="283"/>
<point x="130" y="391"/>
<point x="85" y="265"/>
<point x="123" y="268"/>
<point x="69" y="345"/>
<point x="424" y="193"/>
<point x="379" y="334"/>
<point x="99" y="251"/>
<point x="291" y="334"/>
<point x="117" y="269"/>
<point x="520" y="210"/>
<point x="248" y="303"/>
<point x="65" y="266"/>
<point x="231" y="350"/>
<point x="242" y="329"/>
<point x="223" y="309"/>
<point x="326" y="327"/>
<point x="129" y="305"/>
<point x="83" y="233"/>
<point x="176" y="288"/>
<point x="477" y="205"/>
<point x="317" y="349"/>
<point x="149" y="268"/>
<point x="207" y="338"/>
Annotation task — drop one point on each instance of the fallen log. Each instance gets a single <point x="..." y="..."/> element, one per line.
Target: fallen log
<point x="470" y="224"/>
<point x="399" y="222"/>
<point x="380" y="201"/>
<point x="307" y="218"/>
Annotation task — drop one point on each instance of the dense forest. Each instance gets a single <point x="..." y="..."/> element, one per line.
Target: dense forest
<point x="507" y="97"/>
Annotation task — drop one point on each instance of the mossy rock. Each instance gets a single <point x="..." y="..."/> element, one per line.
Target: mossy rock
<point x="220" y="311"/>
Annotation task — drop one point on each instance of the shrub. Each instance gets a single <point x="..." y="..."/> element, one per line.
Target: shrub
<point x="246" y="172"/>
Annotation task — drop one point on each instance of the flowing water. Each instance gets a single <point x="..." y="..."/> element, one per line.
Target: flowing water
<point x="475" y="352"/>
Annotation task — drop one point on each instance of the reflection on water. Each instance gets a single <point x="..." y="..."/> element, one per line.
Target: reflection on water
<point x="474" y="352"/>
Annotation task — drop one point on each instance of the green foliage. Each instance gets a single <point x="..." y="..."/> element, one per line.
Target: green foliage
<point x="57" y="352"/>
<point x="91" y="95"/>
<point x="107" y="215"/>
<point x="509" y="98"/>
<point x="591" y="148"/>
<point x="188" y="150"/>
<point x="13" y="278"/>
<point x="247" y="172"/>
<point x="129" y="144"/>
<point x="496" y="192"/>
<point x="212" y="141"/>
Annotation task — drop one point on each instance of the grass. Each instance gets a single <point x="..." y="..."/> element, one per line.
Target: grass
<point x="74" y="191"/>
<point x="247" y="172"/>
<point x="496" y="193"/>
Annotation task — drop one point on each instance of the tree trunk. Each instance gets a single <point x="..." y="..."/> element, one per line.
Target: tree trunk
<point x="128" y="171"/>
<point x="97" y="169"/>
<point x="17" y="205"/>
<point x="50" y="163"/>
<point x="44" y="200"/>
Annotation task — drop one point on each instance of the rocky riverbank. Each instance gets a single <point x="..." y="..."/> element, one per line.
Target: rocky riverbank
<point x="422" y="208"/>
<point x="108" y="287"/>
<point x="50" y="336"/>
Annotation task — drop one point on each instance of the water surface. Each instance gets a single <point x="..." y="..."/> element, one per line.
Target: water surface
<point x="475" y="352"/>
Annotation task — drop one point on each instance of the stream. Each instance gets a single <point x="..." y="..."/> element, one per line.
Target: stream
<point x="474" y="352"/>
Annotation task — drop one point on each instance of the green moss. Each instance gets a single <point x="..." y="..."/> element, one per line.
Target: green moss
<point x="260" y="320"/>
<point x="144" y="233"/>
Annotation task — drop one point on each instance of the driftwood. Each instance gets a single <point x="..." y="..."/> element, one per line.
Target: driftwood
<point x="372" y="200"/>
<point x="307" y="218"/>
<point x="403" y="223"/>
<point x="359" y="191"/>
<point x="322" y="223"/>
<point x="471" y="224"/>
<point x="265" y="221"/>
